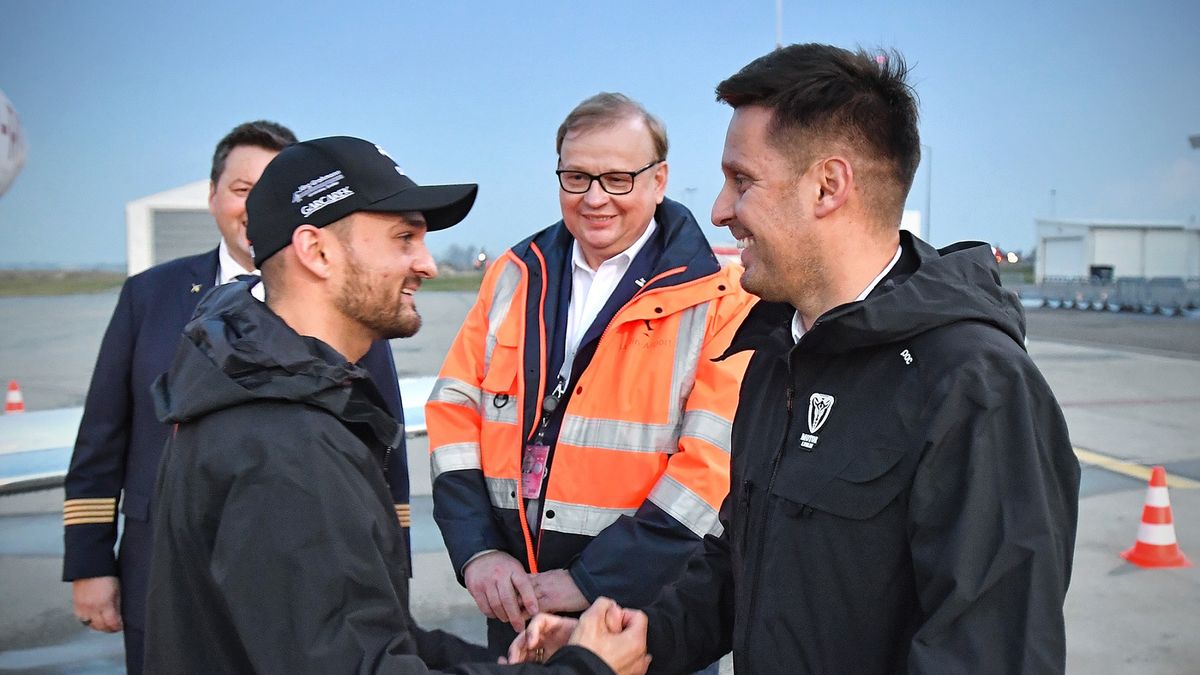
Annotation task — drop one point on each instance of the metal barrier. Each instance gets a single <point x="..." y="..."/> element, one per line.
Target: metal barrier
<point x="1168" y="296"/>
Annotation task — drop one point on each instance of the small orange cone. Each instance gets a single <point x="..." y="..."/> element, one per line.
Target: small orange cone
<point x="14" y="401"/>
<point x="1156" y="545"/>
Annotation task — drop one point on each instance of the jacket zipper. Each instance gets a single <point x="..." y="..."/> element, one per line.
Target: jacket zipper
<point x="762" y="531"/>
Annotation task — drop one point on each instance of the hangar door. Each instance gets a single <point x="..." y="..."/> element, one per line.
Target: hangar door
<point x="1064" y="257"/>
<point x="1120" y="248"/>
<point x="1167" y="253"/>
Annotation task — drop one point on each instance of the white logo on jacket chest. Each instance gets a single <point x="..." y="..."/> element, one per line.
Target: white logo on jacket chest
<point x="819" y="406"/>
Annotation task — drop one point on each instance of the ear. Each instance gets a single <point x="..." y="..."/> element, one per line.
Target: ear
<point x="312" y="247"/>
<point x="835" y="181"/>
<point x="660" y="182"/>
<point x="212" y="197"/>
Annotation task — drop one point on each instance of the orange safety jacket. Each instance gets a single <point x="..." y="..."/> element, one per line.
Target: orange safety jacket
<point x="641" y="462"/>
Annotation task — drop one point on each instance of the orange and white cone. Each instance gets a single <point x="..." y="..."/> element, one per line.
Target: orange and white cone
<point x="1156" y="545"/>
<point x="14" y="401"/>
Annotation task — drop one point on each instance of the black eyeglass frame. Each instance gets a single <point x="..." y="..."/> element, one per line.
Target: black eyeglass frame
<point x="592" y="178"/>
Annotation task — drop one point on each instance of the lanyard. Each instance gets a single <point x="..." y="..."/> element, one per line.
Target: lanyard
<point x="551" y="402"/>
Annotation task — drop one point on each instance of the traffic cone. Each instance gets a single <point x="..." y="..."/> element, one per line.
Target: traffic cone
<point x="1156" y="545"/>
<point x="14" y="402"/>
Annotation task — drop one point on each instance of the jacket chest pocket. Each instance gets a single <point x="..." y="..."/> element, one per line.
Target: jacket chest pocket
<point x="503" y="364"/>
<point x="860" y="490"/>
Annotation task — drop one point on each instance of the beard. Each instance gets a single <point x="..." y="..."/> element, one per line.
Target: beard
<point x="379" y="307"/>
<point x="790" y="276"/>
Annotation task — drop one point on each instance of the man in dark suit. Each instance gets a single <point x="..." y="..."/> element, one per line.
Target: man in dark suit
<point x="120" y="440"/>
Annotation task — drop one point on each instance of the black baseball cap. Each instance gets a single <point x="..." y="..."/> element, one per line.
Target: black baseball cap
<point x="321" y="181"/>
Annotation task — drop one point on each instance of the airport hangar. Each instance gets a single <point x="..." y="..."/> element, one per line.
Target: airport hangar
<point x="168" y="225"/>
<point x="1107" y="249"/>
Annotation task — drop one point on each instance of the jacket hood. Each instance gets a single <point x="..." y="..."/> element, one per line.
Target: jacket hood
<point x="235" y="350"/>
<point x="935" y="288"/>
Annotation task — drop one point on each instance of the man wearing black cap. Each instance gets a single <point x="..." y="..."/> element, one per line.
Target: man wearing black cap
<point x="120" y="439"/>
<point x="278" y="549"/>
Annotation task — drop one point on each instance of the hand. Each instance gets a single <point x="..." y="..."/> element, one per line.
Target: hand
<point x="98" y="603"/>
<point x="616" y="635"/>
<point x="557" y="592"/>
<point x="545" y="635"/>
<point x="501" y="588"/>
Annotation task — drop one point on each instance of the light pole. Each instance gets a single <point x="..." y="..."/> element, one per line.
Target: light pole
<point x="927" y="158"/>
<point x="688" y="193"/>
<point x="778" y="24"/>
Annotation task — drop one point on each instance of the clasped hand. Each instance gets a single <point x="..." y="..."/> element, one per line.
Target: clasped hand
<point x="503" y="590"/>
<point x="616" y="635"/>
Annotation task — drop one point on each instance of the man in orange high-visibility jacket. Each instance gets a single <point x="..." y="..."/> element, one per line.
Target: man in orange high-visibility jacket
<point x="579" y="429"/>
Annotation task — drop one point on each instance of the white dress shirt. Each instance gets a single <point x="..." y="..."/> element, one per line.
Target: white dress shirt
<point x="228" y="268"/>
<point x="590" y="289"/>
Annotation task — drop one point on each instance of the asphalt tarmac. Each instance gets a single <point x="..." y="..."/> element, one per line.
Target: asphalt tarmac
<point x="1129" y="386"/>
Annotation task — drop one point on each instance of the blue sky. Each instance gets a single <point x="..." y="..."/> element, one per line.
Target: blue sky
<point x="118" y="100"/>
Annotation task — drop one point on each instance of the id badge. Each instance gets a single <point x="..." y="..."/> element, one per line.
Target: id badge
<point x="533" y="470"/>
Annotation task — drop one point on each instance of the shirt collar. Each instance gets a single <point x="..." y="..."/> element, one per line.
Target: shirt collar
<point x="227" y="267"/>
<point x="798" y="326"/>
<point x="624" y="257"/>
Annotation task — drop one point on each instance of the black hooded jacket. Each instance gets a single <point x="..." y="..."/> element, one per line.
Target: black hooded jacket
<point x="277" y="549"/>
<point x="904" y="493"/>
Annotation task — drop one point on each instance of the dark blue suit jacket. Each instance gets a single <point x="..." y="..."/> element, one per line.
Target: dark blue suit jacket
<point x="120" y="439"/>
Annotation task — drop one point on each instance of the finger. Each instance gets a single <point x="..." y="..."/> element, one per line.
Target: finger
<point x="512" y="608"/>
<point x="533" y="632"/>
<point x="600" y="606"/>
<point x="516" y="651"/>
<point x="481" y="601"/>
<point x="638" y="623"/>
<point x="493" y="597"/>
<point x="102" y="622"/>
<point x="627" y="616"/>
<point x="82" y="609"/>
<point x="614" y="618"/>
<point x="527" y="592"/>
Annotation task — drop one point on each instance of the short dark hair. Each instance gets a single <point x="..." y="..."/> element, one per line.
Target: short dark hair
<point x="606" y="108"/>
<point x="259" y="133"/>
<point x="825" y="93"/>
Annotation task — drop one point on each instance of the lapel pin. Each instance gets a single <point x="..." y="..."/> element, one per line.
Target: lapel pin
<point x="195" y="288"/>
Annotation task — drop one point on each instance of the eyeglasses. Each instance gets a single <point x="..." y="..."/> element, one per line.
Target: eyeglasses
<point x="612" y="182"/>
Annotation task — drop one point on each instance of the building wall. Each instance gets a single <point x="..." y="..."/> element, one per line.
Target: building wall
<point x="1071" y="248"/>
<point x="1121" y="248"/>
<point x="1167" y="254"/>
<point x="167" y="225"/>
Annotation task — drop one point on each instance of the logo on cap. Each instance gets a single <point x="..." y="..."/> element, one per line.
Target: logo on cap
<point x="321" y="202"/>
<point x="316" y="186"/>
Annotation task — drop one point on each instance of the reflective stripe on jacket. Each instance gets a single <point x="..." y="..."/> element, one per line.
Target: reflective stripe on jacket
<point x="645" y="433"/>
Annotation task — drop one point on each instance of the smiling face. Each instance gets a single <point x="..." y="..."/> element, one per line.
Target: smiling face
<point x="385" y="262"/>
<point x="227" y="197"/>
<point x="604" y="224"/>
<point x="768" y="207"/>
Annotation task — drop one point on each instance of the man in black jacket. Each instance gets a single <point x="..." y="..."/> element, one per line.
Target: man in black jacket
<point x="120" y="439"/>
<point x="278" y="549"/>
<point x="904" y="494"/>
